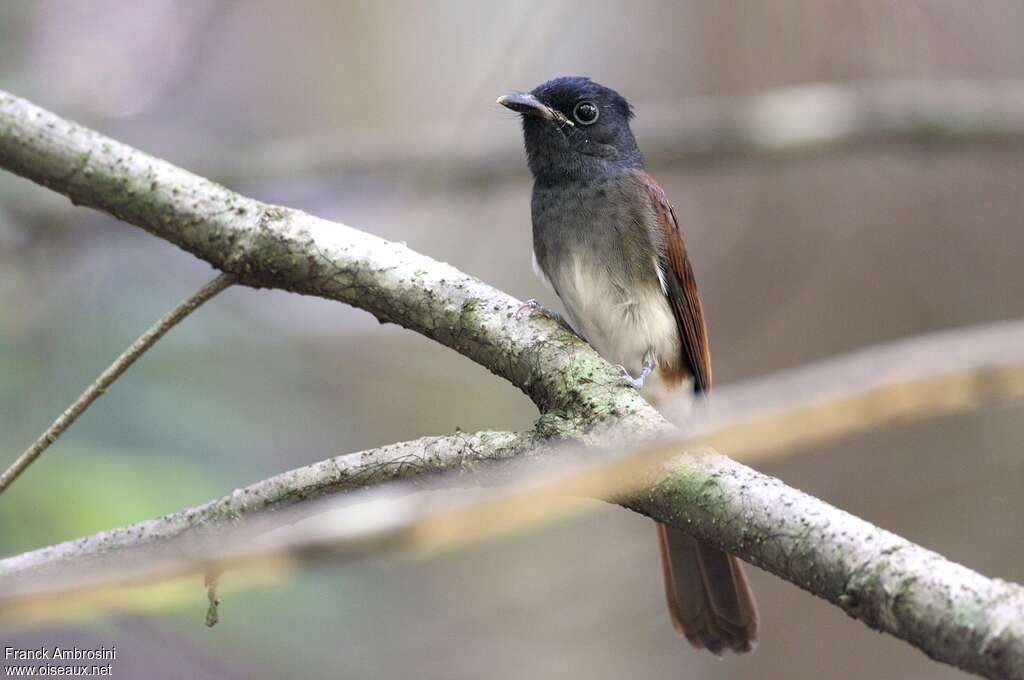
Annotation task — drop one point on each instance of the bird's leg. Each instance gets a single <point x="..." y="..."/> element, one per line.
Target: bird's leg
<point x="535" y="306"/>
<point x="638" y="382"/>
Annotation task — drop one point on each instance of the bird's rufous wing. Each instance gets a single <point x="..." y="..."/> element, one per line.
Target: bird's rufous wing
<point x="681" y="288"/>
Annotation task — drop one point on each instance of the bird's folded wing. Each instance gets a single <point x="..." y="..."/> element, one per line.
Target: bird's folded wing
<point x="681" y="287"/>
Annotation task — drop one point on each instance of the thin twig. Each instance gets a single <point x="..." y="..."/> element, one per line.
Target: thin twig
<point x="211" y="581"/>
<point x="112" y="373"/>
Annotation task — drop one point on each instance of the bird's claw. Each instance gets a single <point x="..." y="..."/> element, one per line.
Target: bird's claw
<point x="532" y="305"/>
<point x="638" y="382"/>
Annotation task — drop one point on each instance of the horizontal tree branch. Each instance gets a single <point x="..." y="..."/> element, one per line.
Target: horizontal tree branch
<point x="412" y="461"/>
<point x="581" y="395"/>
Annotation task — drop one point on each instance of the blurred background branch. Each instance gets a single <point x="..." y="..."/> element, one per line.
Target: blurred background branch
<point x="776" y="124"/>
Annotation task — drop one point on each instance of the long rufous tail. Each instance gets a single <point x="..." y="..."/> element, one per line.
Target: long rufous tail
<point x="709" y="599"/>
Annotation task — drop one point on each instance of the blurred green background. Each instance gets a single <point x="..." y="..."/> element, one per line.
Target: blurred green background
<point x="370" y="113"/>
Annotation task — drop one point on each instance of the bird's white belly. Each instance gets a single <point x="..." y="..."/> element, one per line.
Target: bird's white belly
<point x="623" y="325"/>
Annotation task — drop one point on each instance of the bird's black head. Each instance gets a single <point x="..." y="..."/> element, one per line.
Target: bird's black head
<point x="574" y="129"/>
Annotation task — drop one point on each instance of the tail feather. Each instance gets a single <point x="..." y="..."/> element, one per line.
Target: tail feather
<point x="709" y="599"/>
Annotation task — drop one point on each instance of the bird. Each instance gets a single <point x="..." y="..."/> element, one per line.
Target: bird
<point x="607" y="240"/>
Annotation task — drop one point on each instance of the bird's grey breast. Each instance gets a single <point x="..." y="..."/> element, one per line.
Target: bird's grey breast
<point x="593" y="241"/>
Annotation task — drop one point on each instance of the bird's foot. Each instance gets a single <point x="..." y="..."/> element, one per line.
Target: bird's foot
<point x="533" y="306"/>
<point x="638" y="382"/>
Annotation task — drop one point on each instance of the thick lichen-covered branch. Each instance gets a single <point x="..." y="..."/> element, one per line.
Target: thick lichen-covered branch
<point x="951" y="613"/>
<point x="272" y="246"/>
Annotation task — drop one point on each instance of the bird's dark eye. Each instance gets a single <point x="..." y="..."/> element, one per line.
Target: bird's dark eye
<point x="585" y="113"/>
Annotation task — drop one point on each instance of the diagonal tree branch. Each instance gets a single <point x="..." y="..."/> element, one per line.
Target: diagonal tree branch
<point x="271" y="246"/>
<point x="951" y="613"/>
<point x="899" y="589"/>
